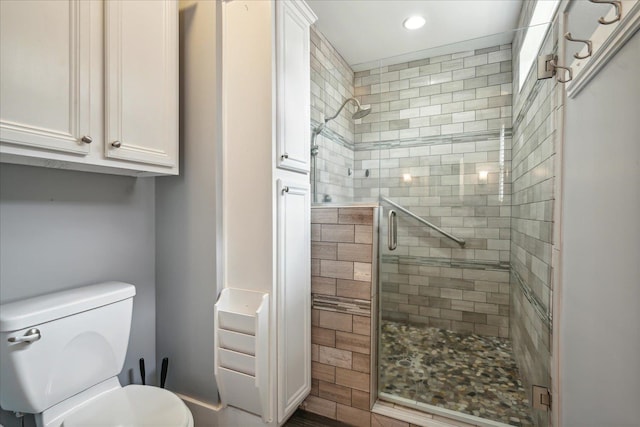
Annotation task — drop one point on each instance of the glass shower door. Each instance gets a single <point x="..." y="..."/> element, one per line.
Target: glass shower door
<point x="444" y="328"/>
<point x="464" y="332"/>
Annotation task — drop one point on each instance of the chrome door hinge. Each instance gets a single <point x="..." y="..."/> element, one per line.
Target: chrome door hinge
<point x="545" y="70"/>
<point x="541" y="397"/>
<point x="548" y="66"/>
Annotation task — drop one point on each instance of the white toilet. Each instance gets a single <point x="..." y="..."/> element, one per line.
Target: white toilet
<point x="60" y="355"/>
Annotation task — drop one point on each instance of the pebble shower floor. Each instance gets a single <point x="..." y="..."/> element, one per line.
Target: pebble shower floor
<point x="468" y="373"/>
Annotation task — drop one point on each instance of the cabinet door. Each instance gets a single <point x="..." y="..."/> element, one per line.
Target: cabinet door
<point x="141" y="81"/>
<point x="293" y="86"/>
<point x="44" y="74"/>
<point x="293" y="296"/>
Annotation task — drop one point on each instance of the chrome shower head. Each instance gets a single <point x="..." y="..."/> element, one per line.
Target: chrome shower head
<point x="360" y="113"/>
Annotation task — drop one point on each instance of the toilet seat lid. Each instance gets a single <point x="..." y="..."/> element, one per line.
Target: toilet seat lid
<point x="133" y="405"/>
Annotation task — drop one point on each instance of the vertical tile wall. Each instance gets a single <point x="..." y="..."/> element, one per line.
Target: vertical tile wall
<point x="440" y="129"/>
<point x="440" y="132"/>
<point x="443" y="95"/>
<point x="343" y="336"/>
<point x="460" y="297"/>
<point x="534" y="139"/>
<point x="331" y="84"/>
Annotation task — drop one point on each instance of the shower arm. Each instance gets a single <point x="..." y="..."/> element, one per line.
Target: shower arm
<point x="328" y="119"/>
<point x="314" y="134"/>
<point x="322" y="125"/>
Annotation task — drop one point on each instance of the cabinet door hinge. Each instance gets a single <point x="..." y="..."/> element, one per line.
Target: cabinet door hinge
<point x="541" y="397"/>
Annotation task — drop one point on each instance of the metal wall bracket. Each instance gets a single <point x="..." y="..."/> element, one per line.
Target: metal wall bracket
<point x="545" y="70"/>
<point x="541" y="397"/>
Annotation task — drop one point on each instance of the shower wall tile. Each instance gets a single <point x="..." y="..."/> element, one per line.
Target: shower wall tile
<point x="337" y="233"/>
<point x="470" y="298"/>
<point x="466" y="192"/>
<point x="317" y="405"/>
<point x="438" y="141"/>
<point x="331" y="84"/>
<point x="344" y="328"/>
<point x="440" y="89"/>
<point x="353" y="416"/>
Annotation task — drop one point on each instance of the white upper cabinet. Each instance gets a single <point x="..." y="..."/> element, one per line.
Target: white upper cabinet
<point x="293" y="85"/>
<point x="141" y="75"/>
<point x="44" y="74"/>
<point x="90" y="85"/>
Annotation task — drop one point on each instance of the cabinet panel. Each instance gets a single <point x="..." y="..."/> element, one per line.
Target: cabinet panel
<point x="293" y="85"/>
<point x="44" y="74"/>
<point x="141" y="87"/>
<point x="294" y="296"/>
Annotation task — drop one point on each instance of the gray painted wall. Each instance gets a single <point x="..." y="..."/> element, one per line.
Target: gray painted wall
<point x="600" y="315"/>
<point x="63" y="229"/>
<point x="186" y="210"/>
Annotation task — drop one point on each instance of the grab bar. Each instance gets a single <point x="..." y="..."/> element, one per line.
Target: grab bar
<point x="392" y="231"/>
<point x="459" y="241"/>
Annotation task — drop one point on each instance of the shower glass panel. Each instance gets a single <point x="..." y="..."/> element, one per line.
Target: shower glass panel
<point x="461" y="333"/>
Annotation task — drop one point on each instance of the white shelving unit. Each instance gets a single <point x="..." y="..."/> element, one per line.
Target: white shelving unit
<point x="242" y="350"/>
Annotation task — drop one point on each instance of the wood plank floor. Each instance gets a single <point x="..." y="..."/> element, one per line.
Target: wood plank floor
<point x="307" y="419"/>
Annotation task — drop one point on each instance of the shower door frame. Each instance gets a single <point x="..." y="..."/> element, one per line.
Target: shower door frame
<point x="427" y="409"/>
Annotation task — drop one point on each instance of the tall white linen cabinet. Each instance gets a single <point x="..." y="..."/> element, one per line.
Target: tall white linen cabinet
<point x="266" y="207"/>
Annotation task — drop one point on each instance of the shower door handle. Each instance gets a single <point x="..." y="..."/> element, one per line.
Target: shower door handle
<point x="392" y="230"/>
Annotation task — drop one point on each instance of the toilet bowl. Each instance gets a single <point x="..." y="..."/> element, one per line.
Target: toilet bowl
<point x="133" y="405"/>
<point x="60" y="355"/>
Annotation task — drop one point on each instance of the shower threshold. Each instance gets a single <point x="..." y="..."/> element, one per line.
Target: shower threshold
<point x="466" y="377"/>
<point x="421" y="414"/>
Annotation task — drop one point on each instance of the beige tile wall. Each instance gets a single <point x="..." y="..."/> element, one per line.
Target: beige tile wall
<point x="438" y="142"/>
<point x="343" y="330"/>
<point x="343" y="336"/>
<point x="459" y="297"/>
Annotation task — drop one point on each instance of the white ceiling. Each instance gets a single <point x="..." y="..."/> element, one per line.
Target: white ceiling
<point x="367" y="31"/>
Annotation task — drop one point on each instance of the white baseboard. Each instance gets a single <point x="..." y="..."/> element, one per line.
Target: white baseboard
<point x="208" y="415"/>
<point x="204" y="414"/>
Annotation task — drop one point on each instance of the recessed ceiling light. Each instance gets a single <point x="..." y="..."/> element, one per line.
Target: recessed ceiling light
<point x="414" y="22"/>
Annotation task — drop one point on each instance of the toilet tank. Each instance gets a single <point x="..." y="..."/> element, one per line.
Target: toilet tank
<point x="84" y="334"/>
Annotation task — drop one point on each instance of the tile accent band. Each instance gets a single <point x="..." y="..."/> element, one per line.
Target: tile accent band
<point x="446" y="262"/>
<point x="341" y="304"/>
<point x="332" y="135"/>
<point x="538" y="307"/>
<point x="413" y="142"/>
<point x="435" y="140"/>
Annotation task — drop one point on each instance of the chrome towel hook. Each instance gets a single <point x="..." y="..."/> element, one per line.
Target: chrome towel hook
<point x="587" y="42"/>
<point x="616" y="4"/>
<point x="568" y="69"/>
